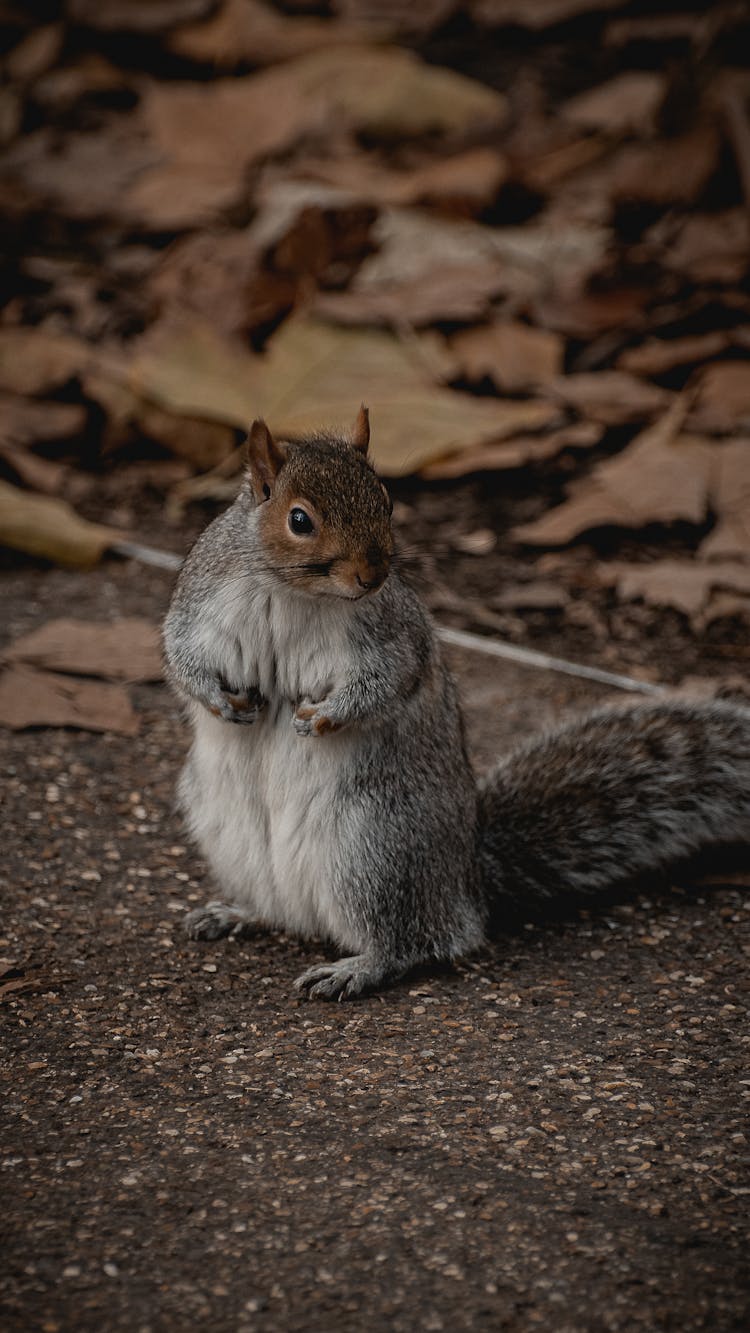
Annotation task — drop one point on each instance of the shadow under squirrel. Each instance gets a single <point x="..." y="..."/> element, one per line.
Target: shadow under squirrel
<point x="328" y="783"/>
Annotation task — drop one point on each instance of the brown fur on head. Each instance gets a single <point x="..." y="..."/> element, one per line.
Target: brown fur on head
<point x="324" y="515"/>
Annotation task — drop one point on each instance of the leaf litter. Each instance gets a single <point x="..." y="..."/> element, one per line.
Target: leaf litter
<point x="534" y="272"/>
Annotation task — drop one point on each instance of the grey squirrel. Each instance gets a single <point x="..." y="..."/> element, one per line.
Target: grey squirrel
<point x="328" y="783"/>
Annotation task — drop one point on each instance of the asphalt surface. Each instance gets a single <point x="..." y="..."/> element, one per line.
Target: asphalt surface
<point x="553" y="1135"/>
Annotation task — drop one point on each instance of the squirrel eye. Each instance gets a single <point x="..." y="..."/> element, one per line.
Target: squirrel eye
<point x="300" y="523"/>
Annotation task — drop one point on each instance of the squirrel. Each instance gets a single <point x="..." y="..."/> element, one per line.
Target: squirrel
<point x="328" y="783"/>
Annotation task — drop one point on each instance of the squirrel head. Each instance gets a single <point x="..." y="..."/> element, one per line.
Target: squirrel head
<point x="323" y="514"/>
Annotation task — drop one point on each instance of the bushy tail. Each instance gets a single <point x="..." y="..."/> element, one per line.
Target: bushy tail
<point x="616" y="793"/>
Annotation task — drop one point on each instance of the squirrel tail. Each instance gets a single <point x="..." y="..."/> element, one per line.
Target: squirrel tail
<point x="617" y="793"/>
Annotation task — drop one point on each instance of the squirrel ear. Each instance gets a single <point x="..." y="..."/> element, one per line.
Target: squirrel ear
<point x="359" y="435"/>
<point x="264" y="459"/>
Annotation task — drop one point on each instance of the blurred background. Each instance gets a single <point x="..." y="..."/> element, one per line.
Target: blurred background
<point x="518" y="231"/>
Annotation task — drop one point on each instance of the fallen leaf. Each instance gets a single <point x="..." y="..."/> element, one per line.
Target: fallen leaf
<point x="428" y="268"/>
<point x="64" y="86"/>
<point x="515" y="452"/>
<point x="479" y="542"/>
<point x="412" y="243"/>
<point x="84" y="174"/>
<point x="203" y="444"/>
<point x="629" y="103"/>
<point x="414" y="19"/>
<point x="684" y="585"/>
<point x="667" y="171"/>
<point x="50" y="528"/>
<point x="656" y="356"/>
<point x="205" y="137"/>
<point x="515" y="356"/>
<point x="129" y="649"/>
<point x="27" y="421"/>
<point x="586" y="314"/>
<point x="247" y="31"/>
<point x="35" y="360"/>
<point x="30" y="698"/>
<point x="722" y="606"/>
<point x="314" y="372"/>
<point x="542" y="170"/>
<point x="35" y="53"/>
<point x="706" y="247"/>
<point x="723" y="402"/>
<point x="730" y="501"/>
<point x="42" y="474"/>
<point x="150" y="16"/>
<point x="450" y="293"/>
<point x="659" y="478"/>
<point x="541" y="14"/>
<point x="462" y="183"/>
<point x="609" y="396"/>
<point x="537" y="595"/>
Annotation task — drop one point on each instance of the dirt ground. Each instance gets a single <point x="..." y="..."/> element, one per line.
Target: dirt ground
<point x="552" y="1135"/>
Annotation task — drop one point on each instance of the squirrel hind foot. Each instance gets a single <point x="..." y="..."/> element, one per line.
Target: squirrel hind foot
<point x="342" y="980"/>
<point x="215" y="920"/>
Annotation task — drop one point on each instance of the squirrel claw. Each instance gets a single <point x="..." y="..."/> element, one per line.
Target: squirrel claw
<point x="342" y="980"/>
<point x="309" y="721"/>
<point x="243" y="708"/>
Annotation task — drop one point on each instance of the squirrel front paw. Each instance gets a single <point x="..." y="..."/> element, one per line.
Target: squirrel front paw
<point x="311" y="719"/>
<point x="243" y="707"/>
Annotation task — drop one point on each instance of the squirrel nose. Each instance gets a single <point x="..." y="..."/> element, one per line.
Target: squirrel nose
<point x="370" y="583"/>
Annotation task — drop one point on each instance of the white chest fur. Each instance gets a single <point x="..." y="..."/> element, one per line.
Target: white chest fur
<point x="262" y="800"/>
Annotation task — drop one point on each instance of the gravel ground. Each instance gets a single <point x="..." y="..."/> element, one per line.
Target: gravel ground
<point x="552" y="1135"/>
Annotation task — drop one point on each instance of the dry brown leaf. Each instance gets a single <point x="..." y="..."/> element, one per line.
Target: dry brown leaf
<point x="667" y="171"/>
<point x="128" y="650"/>
<point x="428" y="268"/>
<point x="462" y="183"/>
<point x="218" y="275"/>
<point x="137" y="15"/>
<point x="41" y="525"/>
<point x="28" y="421"/>
<point x="656" y="356"/>
<point x="587" y="314"/>
<point x="84" y="175"/>
<point x="59" y="90"/>
<point x="661" y="477"/>
<point x="396" y="16"/>
<point x="42" y="474"/>
<point x="536" y="257"/>
<point x="628" y="103"/>
<point x="203" y="444"/>
<point x="542" y="170"/>
<point x="685" y="585"/>
<point x="450" y="293"/>
<point x="206" y="136"/>
<point x="36" y="53"/>
<point x="34" y="360"/>
<point x="31" y="698"/>
<point x="537" y="15"/>
<point x="722" y="606"/>
<point x="730" y="501"/>
<point x="247" y="31"/>
<point x="515" y="452"/>
<point x="723" y="402"/>
<point x="609" y="396"/>
<point x="706" y="247"/>
<point x="537" y="595"/>
<point x="513" y="355"/>
<point x="314" y="372"/>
